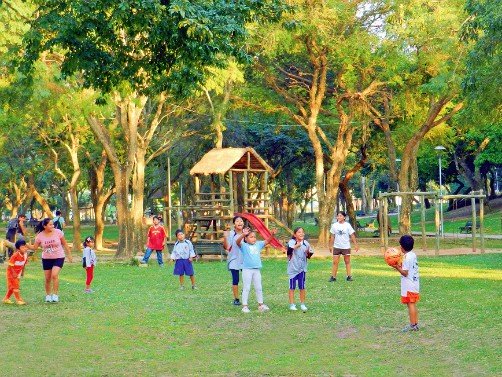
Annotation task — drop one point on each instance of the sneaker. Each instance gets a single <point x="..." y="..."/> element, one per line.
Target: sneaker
<point x="55" y="298"/>
<point x="237" y="302"/>
<point x="408" y="328"/>
<point x="303" y="308"/>
<point x="349" y="278"/>
<point x="245" y="309"/>
<point x="332" y="279"/>
<point x="194" y="287"/>
<point x="88" y="291"/>
<point x="182" y="287"/>
<point x="48" y="298"/>
<point x="7" y="301"/>
<point x="20" y="302"/>
<point x="263" y="308"/>
<point x="292" y="307"/>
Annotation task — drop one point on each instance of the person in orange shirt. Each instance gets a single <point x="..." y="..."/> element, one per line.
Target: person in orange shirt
<point x="14" y="270"/>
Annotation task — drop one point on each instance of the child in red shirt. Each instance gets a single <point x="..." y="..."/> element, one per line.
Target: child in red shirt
<point x="14" y="270"/>
<point x="156" y="240"/>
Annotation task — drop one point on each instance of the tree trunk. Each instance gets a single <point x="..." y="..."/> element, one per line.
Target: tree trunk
<point x="138" y="189"/>
<point x="32" y="192"/>
<point x="408" y="172"/>
<point x="99" y="196"/>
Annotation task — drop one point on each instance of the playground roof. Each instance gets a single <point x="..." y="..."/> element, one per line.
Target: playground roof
<point x="219" y="161"/>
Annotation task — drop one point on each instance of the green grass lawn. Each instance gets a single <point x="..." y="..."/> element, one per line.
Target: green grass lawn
<point x="139" y="323"/>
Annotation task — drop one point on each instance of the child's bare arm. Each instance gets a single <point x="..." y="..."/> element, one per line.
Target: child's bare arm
<point x="400" y="269"/>
<point x="273" y="232"/>
<point x="244" y="233"/>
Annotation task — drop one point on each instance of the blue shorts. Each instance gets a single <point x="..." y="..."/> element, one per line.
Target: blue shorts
<point x="300" y="278"/>
<point x="183" y="267"/>
<point x="235" y="276"/>
<point x="47" y="264"/>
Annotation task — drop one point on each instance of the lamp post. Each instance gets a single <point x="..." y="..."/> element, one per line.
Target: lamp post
<point x="398" y="198"/>
<point x="440" y="150"/>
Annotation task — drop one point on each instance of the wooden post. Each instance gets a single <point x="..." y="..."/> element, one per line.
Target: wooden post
<point x="168" y="216"/>
<point x="473" y="230"/>
<point x="197" y="186"/>
<point x="385" y="223"/>
<point x="436" y="210"/>
<point x="231" y="189"/>
<point x="422" y="222"/>
<point x="264" y="188"/>
<point x="380" y="221"/>
<point x="245" y="184"/>
<point x="482" y="223"/>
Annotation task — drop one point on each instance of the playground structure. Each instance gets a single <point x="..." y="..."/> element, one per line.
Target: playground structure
<point x="227" y="181"/>
<point x="471" y="226"/>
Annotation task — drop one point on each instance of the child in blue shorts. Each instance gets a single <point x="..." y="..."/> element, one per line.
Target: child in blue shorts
<point x="299" y="251"/>
<point x="183" y="254"/>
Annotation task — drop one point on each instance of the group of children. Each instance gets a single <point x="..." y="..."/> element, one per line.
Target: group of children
<point x="244" y="254"/>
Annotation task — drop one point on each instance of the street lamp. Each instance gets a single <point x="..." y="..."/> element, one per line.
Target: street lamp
<point x="398" y="198"/>
<point x="440" y="149"/>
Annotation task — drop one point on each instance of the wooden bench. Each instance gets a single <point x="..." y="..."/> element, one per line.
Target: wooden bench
<point x="207" y="248"/>
<point x="467" y="228"/>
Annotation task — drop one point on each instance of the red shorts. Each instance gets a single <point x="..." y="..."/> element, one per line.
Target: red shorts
<point x="12" y="283"/>
<point x="410" y="298"/>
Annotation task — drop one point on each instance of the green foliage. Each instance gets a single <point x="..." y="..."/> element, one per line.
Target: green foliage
<point x="142" y="45"/>
<point x="483" y="82"/>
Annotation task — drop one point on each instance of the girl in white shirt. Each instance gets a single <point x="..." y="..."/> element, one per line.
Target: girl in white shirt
<point x="341" y="235"/>
<point x="88" y="262"/>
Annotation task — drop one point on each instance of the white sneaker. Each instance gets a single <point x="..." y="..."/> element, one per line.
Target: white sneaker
<point x="292" y="307"/>
<point x="303" y="308"/>
<point x="55" y="298"/>
<point x="48" y="298"/>
<point x="245" y="309"/>
<point x="263" y="308"/>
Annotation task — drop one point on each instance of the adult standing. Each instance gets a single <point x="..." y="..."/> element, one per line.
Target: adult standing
<point x="58" y="221"/>
<point x="53" y="246"/>
<point x="16" y="230"/>
<point x="234" y="258"/>
<point x="341" y="235"/>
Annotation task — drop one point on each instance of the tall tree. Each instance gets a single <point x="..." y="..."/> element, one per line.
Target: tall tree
<point x="320" y="65"/>
<point x="141" y="52"/>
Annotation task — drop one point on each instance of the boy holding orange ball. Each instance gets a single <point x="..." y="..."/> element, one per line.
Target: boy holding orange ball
<point x="14" y="271"/>
<point x="410" y="283"/>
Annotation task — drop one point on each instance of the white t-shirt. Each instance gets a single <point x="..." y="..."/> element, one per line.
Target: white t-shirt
<point x="410" y="283"/>
<point x="342" y="233"/>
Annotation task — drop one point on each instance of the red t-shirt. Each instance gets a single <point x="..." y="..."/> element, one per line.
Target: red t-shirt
<point x="156" y="236"/>
<point x="17" y="262"/>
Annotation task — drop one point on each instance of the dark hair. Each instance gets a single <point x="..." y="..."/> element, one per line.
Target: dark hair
<point x="177" y="232"/>
<point x="19" y="243"/>
<point x="296" y="230"/>
<point x="21" y="215"/>
<point x="250" y="231"/>
<point x="341" y="213"/>
<point x="407" y="242"/>
<point x="235" y="218"/>
<point x="157" y="217"/>
<point x="42" y="224"/>
<point x="58" y="213"/>
<point x="87" y="240"/>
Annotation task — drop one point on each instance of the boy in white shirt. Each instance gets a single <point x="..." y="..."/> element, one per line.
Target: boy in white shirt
<point x="410" y="282"/>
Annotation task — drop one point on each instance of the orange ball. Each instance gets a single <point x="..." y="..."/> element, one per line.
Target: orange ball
<point x="393" y="256"/>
